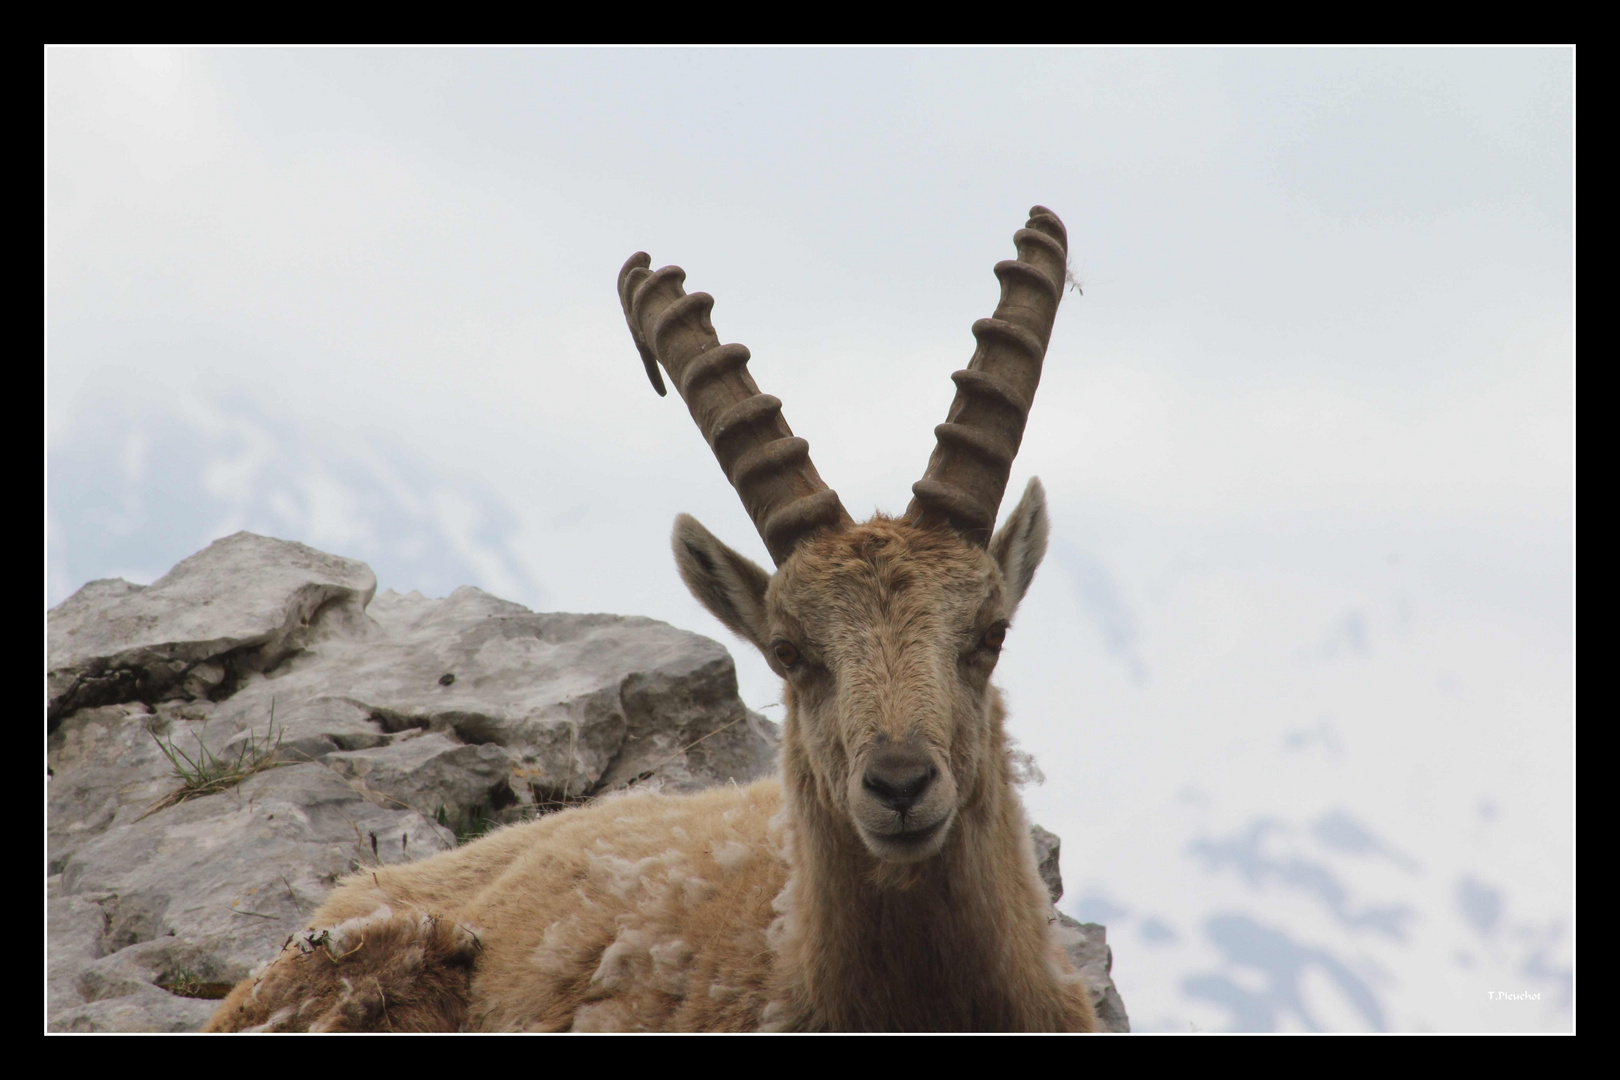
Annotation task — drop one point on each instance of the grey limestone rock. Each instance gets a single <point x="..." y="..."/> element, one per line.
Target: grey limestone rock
<point x="238" y="871"/>
<point x="362" y="728"/>
<point x="74" y="929"/>
<point x="1095" y="961"/>
<point x="1047" y="848"/>
<point x="433" y="774"/>
<point x="1090" y="950"/>
<point x="241" y="604"/>
<point x="103" y="761"/>
<point x="146" y="1008"/>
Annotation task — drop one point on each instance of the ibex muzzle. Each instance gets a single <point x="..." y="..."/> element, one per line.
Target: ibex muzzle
<point x="899" y="778"/>
<point x="905" y="803"/>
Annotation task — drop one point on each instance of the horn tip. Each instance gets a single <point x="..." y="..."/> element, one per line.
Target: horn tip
<point x="1043" y="220"/>
<point x="640" y="260"/>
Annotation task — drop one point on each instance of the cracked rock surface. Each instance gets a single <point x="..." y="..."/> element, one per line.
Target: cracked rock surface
<point x="364" y="729"/>
<point x="1089" y="949"/>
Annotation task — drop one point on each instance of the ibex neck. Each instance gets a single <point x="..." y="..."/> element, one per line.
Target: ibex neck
<point x="948" y="945"/>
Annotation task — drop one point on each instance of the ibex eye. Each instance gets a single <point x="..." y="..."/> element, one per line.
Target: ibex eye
<point x="786" y="654"/>
<point x="994" y="637"/>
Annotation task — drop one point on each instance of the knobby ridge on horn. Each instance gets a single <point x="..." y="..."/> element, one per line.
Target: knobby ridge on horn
<point x="967" y="472"/>
<point x="768" y="465"/>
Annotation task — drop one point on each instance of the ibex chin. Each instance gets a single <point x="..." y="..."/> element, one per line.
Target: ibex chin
<point x="885" y="881"/>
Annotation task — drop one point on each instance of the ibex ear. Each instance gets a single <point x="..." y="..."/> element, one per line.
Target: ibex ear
<point x="1020" y="543"/>
<point x="730" y="586"/>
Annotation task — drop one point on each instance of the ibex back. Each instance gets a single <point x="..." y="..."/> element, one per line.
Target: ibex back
<point x="886" y="880"/>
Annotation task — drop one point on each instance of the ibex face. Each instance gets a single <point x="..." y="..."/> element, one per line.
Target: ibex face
<point x="893" y="632"/>
<point x="885" y="633"/>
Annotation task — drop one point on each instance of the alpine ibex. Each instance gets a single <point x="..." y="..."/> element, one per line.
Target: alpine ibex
<point x="886" y="880"/>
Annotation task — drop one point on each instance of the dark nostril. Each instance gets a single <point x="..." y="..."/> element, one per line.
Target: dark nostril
<point x="899" y="787"/>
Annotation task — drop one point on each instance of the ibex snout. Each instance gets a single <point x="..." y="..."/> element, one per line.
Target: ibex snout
<point x="899" y="777"/>
<point x="904" y="801"/>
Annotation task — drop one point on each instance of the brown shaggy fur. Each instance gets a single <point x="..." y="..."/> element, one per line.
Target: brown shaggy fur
<point x="385" y="972"/>
<point x="804" y="903"/>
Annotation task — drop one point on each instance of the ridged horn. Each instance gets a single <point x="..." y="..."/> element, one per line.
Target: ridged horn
<point x="767" y="464"/>
<point x="967" y="472"/>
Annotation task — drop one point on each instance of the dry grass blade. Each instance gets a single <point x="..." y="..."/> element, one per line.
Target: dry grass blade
<point x="189" y="985"/>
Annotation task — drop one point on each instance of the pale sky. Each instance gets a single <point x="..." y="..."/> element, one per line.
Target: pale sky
<point x="1308" y="434"/>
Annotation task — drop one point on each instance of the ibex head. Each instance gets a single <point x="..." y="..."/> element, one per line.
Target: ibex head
<point x="885" y="633"/>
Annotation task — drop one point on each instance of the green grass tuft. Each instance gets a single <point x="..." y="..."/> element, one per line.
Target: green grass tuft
<point x="208" y="774"/>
